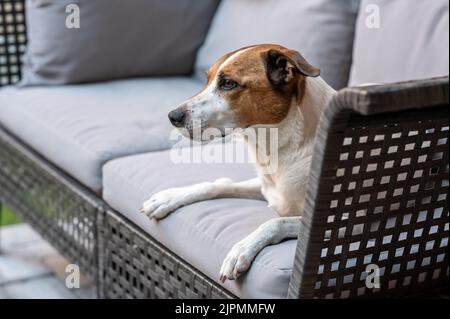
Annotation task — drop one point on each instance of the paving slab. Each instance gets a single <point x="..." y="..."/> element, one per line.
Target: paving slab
<point x="47" y="287"/>
<point x="31" y="268"/>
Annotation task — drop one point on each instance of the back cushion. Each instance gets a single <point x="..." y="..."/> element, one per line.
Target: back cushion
<point x="410" y="41"/>
<point x="322" y="30"/>
<point x="116" y="39"/>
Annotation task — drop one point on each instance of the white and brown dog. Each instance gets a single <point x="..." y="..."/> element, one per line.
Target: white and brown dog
<point x="257" y="86"/>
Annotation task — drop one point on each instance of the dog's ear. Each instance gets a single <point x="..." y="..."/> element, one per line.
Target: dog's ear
<point x="282" y="66"/>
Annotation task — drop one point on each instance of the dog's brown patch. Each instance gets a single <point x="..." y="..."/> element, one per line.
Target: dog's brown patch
<point x="211" y="73"/>
<point x="256" y="100"/>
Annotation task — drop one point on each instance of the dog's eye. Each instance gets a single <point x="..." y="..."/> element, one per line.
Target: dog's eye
<point x="228" y="84"/>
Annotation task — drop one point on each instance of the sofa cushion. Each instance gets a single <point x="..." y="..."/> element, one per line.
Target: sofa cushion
<point x="204" y="232"/>
<point x="80" y="127"/>
<point x="322" y="30"/>
<point x="411" y="42"/>
<point x="115" y="39"/>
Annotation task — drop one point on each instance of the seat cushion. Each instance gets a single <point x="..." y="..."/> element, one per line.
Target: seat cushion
<point x="80" y="127"/>
<point x="322" y="30"/>
<point x="204" y="232"/>
<point x="400" y="41"/>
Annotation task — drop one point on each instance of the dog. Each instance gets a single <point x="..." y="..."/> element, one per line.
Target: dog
<point x="257" y="86"/>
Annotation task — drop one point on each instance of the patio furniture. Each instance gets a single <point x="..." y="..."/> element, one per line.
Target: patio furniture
<point x="378" y="194"/>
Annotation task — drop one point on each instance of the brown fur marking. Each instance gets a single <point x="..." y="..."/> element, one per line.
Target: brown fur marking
<point x="255" y="101"/>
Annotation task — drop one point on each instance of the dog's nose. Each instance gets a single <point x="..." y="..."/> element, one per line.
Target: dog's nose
<point x="177" y="117"/>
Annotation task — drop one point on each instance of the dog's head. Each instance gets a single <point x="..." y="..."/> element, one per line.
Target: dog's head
<point x="251" y="86"/>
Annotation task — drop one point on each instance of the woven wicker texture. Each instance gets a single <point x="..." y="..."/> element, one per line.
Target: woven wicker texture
<point x="378" y="195"/>
<point x="12" y="40"/>
<point x="47" y="200"/>
<point x="136" y="266"/>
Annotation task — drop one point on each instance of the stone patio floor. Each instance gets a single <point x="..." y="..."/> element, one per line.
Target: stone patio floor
<point x="31" y="269"/>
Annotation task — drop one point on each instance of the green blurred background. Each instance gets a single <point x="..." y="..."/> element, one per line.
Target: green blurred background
<point x="8" y="217"/>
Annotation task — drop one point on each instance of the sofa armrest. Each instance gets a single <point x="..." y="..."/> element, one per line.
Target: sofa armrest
<point x="394" y="97"/>
<point x="12" y="40"/>
<point x="377" y="194"/>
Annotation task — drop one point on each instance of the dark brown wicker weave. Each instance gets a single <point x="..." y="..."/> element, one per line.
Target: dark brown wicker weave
<point x="137" y="266"/>
<point x="12" y="40"/>
<point x="377" y="195"/>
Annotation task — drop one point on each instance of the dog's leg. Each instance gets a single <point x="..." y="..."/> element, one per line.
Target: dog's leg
<point x="165" y="202"/>
<point x="242" y="254"/>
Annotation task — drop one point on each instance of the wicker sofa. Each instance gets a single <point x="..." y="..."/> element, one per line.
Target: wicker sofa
<point x="380" y="165"/>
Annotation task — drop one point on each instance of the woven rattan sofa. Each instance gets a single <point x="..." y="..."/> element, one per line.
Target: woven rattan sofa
<point x="378" y="194"/>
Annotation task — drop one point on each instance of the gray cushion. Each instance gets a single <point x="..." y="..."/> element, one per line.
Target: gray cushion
<point x="116" y="39"/>
<point x="411" y="43"/>
<point x="322" y="30"/>
<point x="204" y="232"/>
<point x="80" y="127"/>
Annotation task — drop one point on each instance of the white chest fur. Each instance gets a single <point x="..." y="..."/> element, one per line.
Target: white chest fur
<point x="285" y="188"/>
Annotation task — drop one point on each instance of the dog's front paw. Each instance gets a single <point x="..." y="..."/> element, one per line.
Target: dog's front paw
<point x="237" y="261"/>
<point x="163" y="203"/>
